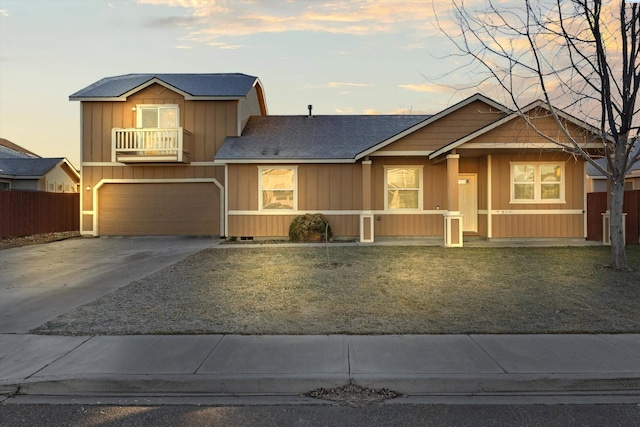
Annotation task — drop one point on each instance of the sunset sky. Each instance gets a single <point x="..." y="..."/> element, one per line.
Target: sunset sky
<point x="342" y="56"/>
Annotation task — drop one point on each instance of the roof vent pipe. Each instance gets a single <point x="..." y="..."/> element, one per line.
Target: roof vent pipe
<point x="310" y="107"/>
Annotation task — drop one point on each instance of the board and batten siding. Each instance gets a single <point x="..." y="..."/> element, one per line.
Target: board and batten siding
<point x="209" y="122"/>
<point x="95" y="174"/>
<point x="321" y="187"/>
<point x="447" y="129"/>
<point x="265" y="226"/>
<point x="507" y="224"/>
<point x="433" y="179"/>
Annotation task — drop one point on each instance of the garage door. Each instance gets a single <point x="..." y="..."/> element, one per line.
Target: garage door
<point x="191" y="209"/>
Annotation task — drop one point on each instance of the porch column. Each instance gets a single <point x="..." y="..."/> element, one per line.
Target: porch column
<point x="452" y="217"/>
<point x="366" y="216"/>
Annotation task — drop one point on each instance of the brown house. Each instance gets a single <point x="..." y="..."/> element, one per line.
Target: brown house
<point x="198" y="155"/>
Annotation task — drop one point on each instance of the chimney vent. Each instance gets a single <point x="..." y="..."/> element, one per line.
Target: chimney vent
<point x="310" y="107"/>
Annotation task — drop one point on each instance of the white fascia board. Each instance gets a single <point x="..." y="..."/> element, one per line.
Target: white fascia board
<point x="257" y="82"/>
<point x="526" y="109"/>
<point x="97" y="99"/>
<point x="149" y="83"/>
<point x="437" y="116"/>
<point x="68" y="163"/>
<point x="187" y="96"/>
<point x="382" y="153"/>
<point x="221" y="162"/>
<point x="521" y="145"/>
<point x="17" y="177"/>
<point x="390" y="140"/>
<point x="471" y="136"/>
<point x="565" y="116"/>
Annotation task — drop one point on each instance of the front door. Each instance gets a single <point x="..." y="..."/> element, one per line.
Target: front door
<point x="468" y="201"/>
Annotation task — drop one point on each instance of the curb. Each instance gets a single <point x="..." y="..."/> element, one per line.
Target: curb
<point x="411" y="385"/>
<point x="183" y="384"/>
<point x="500" y="383"/>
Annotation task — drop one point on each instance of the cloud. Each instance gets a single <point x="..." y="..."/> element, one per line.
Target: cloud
<point x="173" y="21"/>
<point x="424" y="87"/>
<point x="4" y="12"/>
<point x="237" y="18"/>
<point x="346" y="84"/>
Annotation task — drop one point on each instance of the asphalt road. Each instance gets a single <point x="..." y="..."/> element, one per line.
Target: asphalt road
<point x="264" y="416"/>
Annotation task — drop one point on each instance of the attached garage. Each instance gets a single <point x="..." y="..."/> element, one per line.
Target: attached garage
<point x="180" y="208"/>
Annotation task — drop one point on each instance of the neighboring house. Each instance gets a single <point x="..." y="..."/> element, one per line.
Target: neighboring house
<point x="198" y="154"/>
<point x="598" y="182"/>
<point x="21" y="169"/>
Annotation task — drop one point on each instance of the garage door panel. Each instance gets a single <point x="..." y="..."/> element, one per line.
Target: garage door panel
<point x="159" y="209"/>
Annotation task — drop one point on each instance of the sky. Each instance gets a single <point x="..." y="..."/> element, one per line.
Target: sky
<point x="341" y="56"/>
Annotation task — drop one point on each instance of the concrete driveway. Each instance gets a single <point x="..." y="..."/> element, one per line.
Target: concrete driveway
<point x="40" y="282"/>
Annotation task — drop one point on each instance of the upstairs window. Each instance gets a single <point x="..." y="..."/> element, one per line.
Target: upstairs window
<point x="163" y="116"/>
<point x="403" y="187"/>
<point x="537" y="183"/>
<point x="278" y="188"/>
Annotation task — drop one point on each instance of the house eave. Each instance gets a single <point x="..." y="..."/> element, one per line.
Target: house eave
<point x="281" y="161"/>
<point x="435" y="117"/>
<point x="187" y="97"/>
<point x="497" y="123"/>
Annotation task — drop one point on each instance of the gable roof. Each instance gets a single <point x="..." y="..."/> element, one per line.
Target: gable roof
<point x="191" y="86"/>
<point x="10" y="150"/>
<point x="512" y="116"/>
<point x="27" y="168"/>
<point x="594" y="173"/>
<point x="295" y="138"/>
<point x="432" y="118"/>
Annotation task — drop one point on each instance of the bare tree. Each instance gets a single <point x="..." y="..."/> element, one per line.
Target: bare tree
<point x="582" y="58"/>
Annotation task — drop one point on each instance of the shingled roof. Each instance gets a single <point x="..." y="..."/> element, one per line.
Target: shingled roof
<point x="234" y="85"/>
<point x="10" y="150"/>
<point x="27" y="168"/>
<point x="278" y="138"/>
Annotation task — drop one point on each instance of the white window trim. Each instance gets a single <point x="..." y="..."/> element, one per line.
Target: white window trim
<point x="139" y="108"/>
<point x="295" y="188"/>
<point x="537" y="184"/>
<point x="420" y="189"/>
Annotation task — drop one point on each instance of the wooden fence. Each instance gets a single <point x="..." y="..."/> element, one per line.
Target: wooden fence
<point x="32" y="212"/>
<point x="597" y="205"/>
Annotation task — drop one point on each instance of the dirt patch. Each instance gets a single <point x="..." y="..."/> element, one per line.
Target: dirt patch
<point x="354" y="396"/>
<point x="35" y="239"/>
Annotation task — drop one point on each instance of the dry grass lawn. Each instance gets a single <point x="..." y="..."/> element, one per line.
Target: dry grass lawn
<point x="343" y="289"/>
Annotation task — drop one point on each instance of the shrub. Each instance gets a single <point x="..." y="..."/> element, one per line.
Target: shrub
<point x="309" y="228"/>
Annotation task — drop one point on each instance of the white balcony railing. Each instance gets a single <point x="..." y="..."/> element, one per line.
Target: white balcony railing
<point x="150" y="145"/>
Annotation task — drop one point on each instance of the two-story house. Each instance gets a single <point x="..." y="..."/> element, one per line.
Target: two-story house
<point x="197" y="154"/>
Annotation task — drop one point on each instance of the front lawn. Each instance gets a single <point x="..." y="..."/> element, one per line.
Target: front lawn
<point x="342" y="289"/>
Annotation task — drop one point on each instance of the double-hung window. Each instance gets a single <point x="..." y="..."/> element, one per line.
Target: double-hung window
<point x="403" y="187"/>
<point x="537" y="182"/>
<point x="162" y="116"/>
<point x="278" y="188"/>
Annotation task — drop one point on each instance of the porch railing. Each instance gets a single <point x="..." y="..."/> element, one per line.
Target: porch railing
<point x="150" y="145"/>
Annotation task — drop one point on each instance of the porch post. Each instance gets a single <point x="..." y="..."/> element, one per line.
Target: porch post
<point x="452" y="217"/>
<point x="366" y="216"/>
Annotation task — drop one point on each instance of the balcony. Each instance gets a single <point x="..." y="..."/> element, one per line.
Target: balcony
<point x="150" y="145"/>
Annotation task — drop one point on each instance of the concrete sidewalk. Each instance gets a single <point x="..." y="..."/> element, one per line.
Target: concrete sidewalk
<point x="232" y="365"/>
